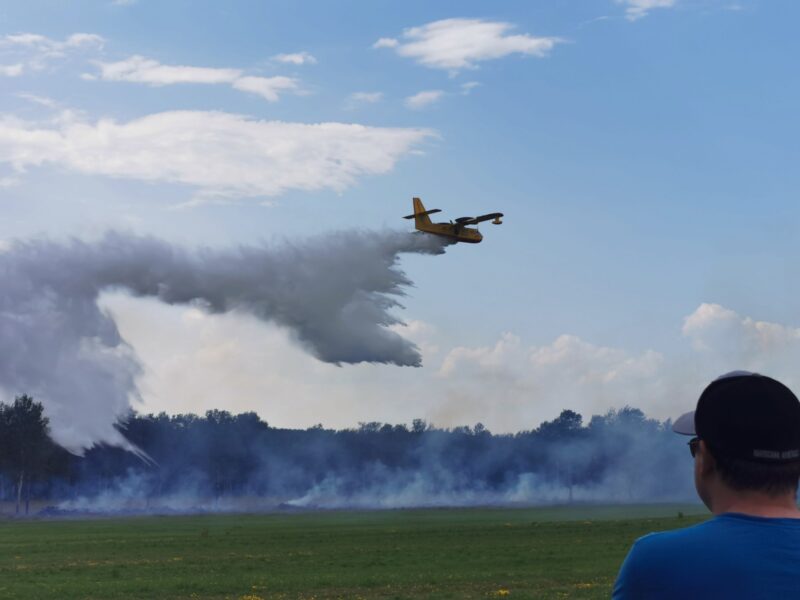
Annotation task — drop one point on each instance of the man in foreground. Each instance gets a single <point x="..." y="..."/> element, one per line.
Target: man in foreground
<point x="746" y="450"/>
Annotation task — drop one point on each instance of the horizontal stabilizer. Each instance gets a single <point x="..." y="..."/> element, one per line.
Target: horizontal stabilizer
<point x="461" y="220"/>
<point x="420" y="214"/>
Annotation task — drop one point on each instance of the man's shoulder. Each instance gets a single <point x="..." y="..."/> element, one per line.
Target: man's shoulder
<point x="649" y="570"/>
<point x="733" y="553"/>
<point x="650" y="567"/>
<point x="676" y="538"/>
<point x="718" y="532"/>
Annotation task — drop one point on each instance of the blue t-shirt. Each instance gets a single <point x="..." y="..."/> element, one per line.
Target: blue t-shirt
<point x="730" y="556"/>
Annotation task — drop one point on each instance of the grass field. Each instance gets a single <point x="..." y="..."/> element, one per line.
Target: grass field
<point x="558" y="552"/>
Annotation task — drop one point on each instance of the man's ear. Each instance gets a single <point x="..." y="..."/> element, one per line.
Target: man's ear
<point x="706" y="462"/>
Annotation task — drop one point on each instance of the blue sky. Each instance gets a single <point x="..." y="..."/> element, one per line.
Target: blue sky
<point x="643" y="151"/>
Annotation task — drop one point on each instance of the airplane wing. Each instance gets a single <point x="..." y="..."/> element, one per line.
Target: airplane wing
<point x="427" y="212"/>
<point x="476" y="220"/>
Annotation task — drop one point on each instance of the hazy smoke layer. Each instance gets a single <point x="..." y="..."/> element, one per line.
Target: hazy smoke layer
<point x="239" y="463"/>
<point x="334" y="292"/>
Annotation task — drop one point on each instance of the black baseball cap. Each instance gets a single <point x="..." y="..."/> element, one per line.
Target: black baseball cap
<point x="747" y="416"/>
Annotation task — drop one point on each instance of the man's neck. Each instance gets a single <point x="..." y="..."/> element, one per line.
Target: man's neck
<point x="757" y="504"/>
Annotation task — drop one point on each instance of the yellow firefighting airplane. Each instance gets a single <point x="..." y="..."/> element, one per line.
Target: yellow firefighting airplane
<point x="456" y="230"/>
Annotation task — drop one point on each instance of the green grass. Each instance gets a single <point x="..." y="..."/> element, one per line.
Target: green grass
<point x="554" y="552"/>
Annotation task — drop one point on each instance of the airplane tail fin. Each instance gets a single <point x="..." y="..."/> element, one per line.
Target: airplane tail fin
<point x="420" y="215"/>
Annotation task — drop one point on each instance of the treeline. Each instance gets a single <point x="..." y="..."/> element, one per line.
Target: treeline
<point x="193" y="462"/>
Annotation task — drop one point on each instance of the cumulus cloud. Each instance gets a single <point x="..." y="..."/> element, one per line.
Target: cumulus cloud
<point x="422" y="99"/>
<point x="636" y="9"/>
<point x="421" y="333"/>
<point x="512" y="382"/>
<point x="455" y="44"/>
<point x="296" y="58"/>
<point x="138" y="69"/>
<point x="220" y="154"/>
<point x="729" y="340"/>
<point x="530" y="383"/>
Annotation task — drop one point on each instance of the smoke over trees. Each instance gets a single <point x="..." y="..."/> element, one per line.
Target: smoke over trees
<point x="222" y="461"/>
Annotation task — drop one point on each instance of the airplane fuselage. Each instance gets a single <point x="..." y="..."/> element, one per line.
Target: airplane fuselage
<point x="454" y="232"/>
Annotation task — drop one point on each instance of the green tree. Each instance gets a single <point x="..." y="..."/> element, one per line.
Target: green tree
<point x="24" y="444"/>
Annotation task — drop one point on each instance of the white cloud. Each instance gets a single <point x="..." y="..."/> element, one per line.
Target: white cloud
<point x="580" y="362"/>
<point x="511" y="386"/>
<point x="40" y="100"/>
<point x="732" y="341"/>
<point x="530" y="383"/>
<point x="138" y="69"/>
<point x="386" y="43"/>
<point x="466" y="88"/>
<point x="222" y="154"/>
<point x="489" y="359"/>
<point x="77" y="40"/>
<point x="124" y="2"/>
<point x="420" y="333"/>
<point x="24" y="39"/>
<point x="455" y="44"/>
<point x="268" y="88"/>
<point x="423" y="99"/>
<point x="34" y="51"/>
<point x="366" y="97"/>
<point x="526" y="384"/>
<point x="359" y="99"/>
<point x="296" y="58"/>
<point x="43" y="43"/>
<point x="11" y="70"/>
<point x="636" y="9"/>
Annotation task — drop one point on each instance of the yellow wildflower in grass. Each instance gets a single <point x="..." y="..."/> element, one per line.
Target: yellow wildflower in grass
<point x="585" y="586"/>
<point x="251" y="597"/>
<point x="501" y="592"/>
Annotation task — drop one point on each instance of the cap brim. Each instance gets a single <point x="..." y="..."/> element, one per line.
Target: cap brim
<point x="684" y="424"/>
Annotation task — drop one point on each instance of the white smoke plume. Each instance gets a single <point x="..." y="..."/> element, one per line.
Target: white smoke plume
<point x="335" y="293"/>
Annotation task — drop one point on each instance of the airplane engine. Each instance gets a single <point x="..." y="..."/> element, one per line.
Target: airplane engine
<point x="497" y="221"/>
